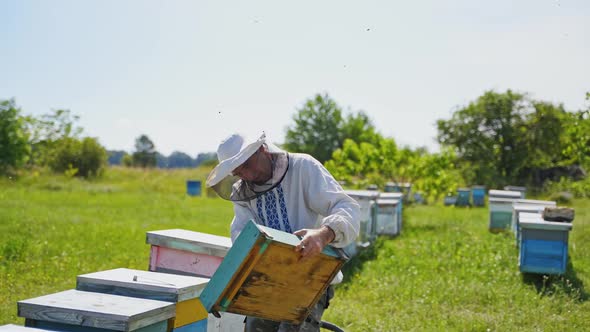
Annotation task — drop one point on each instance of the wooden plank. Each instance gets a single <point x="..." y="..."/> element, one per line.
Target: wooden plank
<point x="263" y="276"/>
<point x="188" y="312"/>
<point x="171" y="260"/>
<point x="96" y="310"/>
<point x="53" y="326"/>
<point x="190" y="241"/>
<point x="16" y="328"/>
<point x="143" y="284"/>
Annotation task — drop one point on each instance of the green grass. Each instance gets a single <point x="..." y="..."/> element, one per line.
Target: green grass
<point x="445" y="272"/>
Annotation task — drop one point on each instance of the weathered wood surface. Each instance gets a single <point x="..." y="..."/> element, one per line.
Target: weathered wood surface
<point x="190" y="241"/>
<point x="16" y="328"/>
<point x="143" y="284"/>
<point x="90" y="309"/>
<point x="262" y="276"/>
<point x="176" y="261"/>
<point x="53" y="326"/>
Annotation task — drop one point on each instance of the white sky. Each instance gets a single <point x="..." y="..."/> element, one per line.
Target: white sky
<point x="188" y="73"/>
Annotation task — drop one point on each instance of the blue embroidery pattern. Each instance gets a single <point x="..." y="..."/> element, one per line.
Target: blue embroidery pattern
<point x="270" y="205"/>
<point x="259" y="208"/>
<point x="283" y="206"/>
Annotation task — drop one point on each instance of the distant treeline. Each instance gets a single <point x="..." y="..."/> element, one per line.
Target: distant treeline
<point x="176" y="159"/>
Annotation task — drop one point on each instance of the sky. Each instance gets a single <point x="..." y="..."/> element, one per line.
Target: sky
<point x="190" y="73"/>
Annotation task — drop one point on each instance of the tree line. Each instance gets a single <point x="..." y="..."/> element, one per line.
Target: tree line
<point x="501" y="138"/>
<point x="55" y="141"/>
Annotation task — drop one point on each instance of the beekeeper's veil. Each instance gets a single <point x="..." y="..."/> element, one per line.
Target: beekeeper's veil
<point x="233" y="152"/>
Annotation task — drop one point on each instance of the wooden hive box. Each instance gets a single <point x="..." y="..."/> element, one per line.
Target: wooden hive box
<point x="478" y="194"/>
<point x="400" y="206"/>
<point x="386" y="216"/>
<point x="182" y="290"/>
<point x="520" y="206"/>
<point x="500" y="214"/>
<point x="543" y="246"/>
<point x="185" y="252"/>
<point x="262" y="276"/>
<point x="74" y="310"/>
<point x="365" y="198"/>
<point x="521" y="190"/>
<point x="495" y="193"/>
<point x="463" y="197"/>
<point x="16" y="328"/>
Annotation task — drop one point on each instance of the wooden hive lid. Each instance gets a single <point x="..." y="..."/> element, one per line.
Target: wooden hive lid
<point x="503" y="194"/>
<point x="391" y="195"/>
<point x="536" y="202"/>
<point x="362" y="194"/>
<point x="200" y="243"/>
<point x="156" y="285"/>
<point x="16" y="328"/>
<point x="262" y="276"/>
<point x="545" y="225"/>
<point x="90" y="309"/>
<point x="387" y="202"/>
<point x="528" y="208"/>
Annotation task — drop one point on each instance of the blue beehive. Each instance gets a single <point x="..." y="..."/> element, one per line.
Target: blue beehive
<point x="478" y="193"/>
<point x="193" y="187"/>
<point x="463" y="197"/>
<point x="500" y="214"/>
<point x="526" y="206"/>
<point x="543" y="246"/>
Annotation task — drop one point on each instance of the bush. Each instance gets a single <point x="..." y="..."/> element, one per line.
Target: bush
<point x="85" y="158"/>
<point x="13" y="138"/>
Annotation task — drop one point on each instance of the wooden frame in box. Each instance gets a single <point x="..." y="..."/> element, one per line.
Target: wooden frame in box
<point x="263" y="276"/>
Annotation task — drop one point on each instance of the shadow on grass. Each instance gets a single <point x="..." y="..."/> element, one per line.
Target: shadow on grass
<point x="355" y="264"/>
<point x="548" y="285"/>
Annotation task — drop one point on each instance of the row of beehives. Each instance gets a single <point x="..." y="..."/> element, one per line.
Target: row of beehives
<point x="475" y="196"/>
<point x="543" y="245"/>
<point x="164" y="299"/>
<point x="190" y="275"/>
<point x="381" y="214"/>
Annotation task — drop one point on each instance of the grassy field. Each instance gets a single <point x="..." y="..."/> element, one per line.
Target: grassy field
<point x="445" y="272"/>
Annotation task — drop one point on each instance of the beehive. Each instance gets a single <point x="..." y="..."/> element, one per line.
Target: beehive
<point x="263" y="276"/>
<point x="184" y="291"/>
<point x="74" y="310"/>
<point x="179" y="251"/>
<point x="543" y="246"/>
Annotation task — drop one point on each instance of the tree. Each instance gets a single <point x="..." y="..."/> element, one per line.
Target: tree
<point x="488" y="135"/>
<point x="179" y="160"/>
<point x="317" y="128"/>
<point x="85" y="157"/>
<point x="116" y="157"/>
<point x="14" y="148"/>
<point x="48" y="131"/>
<point x="145" y="152"/>
<point x="320" y="128"/>
<point x="210" y="157"/>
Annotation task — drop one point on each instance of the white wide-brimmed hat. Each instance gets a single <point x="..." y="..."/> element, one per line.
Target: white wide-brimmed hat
<point x="231" y="153"/>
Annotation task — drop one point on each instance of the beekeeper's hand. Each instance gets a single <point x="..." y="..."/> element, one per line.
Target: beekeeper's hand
<point x="313" y="241"/>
